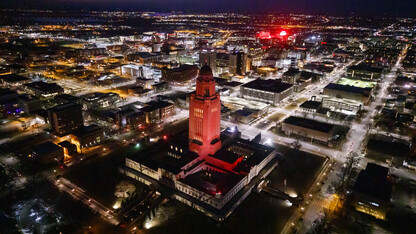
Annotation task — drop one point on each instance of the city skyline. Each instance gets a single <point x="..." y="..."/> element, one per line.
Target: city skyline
<point x="369" y="8"/>
<point x="180" y="117"/>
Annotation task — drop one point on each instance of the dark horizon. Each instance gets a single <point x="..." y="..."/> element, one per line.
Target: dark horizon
<point x="371" y="8"/>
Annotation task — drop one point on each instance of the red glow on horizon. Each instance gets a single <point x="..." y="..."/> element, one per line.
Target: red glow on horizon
<point x="264" y="35"/>
<point x="270" y="35"/>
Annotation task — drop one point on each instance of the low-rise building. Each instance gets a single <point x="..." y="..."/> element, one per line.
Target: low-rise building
<point x="183" y="74"/>
<point x="64" y="98"/>
<point x="308" y="128"/>
<point x="362" y="71"/>
<point x="99" y="100"/>
<point x="310" y="106"/>
<point x="348" y="92"/>
<point x="13" y="80"/>
<point x="268" y="91"/>
<point x="87" y="136"/>
<point x="43" y="89"/>
<point x="29" y="103"/>
<point x="48" y="152"/>
<point x="372" y="191"/>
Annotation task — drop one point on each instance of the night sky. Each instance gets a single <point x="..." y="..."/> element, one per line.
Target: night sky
<point x="364" y="7"/>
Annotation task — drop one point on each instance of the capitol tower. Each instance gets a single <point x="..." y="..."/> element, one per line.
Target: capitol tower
<point x="204" y="115"/>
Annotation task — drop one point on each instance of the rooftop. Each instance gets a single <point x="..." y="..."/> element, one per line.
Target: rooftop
<point x="348" y="88"/>
<point x="309" y="123"/>
<point x="373" y="182"/>
<point x="311" y="104"/>
<point x="13" y="78"/>
<point x="83" y="130"/>
<point x="46" y="148"/>
<point x="275" y="86"/>
<point x="65" y="106"/>
<point x="43" y="86"/>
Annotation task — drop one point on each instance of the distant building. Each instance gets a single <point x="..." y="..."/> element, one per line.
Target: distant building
<point x="87" y="136"/>
<point x="268" y="91"/>
<point x="243" y="116"/>
<point x="145" y="83"/>
<point x="13" y="80"/>
<point x="160" y="87"/>
<point x="65" y="118"/>
<point x="8" y="103"/>
<point x="208" y="58"/>
<point x="239" y="63"/>
<point x="291" y="76"/>
<point x="295" y="77"/>
<point x="308" y="128"/>
<point x="99" y="100"/>
<point x="182" y="74"/>
<point x="364" y="72"/>
<point x="348" y="92"/>
<point x="48" y="152"/>
<point x="43" y="89"/>
<point x="158" y="111"/>
<point x="388" y="149"/>
<point x="145" y="57"/>
<point x="346" y="106"/>
<point x="64" y="98"/>
<point x="29" y="103"/>
<point x="372" y="191"/>
<point x="311" y="106"/>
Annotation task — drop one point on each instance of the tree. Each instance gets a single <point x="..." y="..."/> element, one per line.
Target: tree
<point x="348" y="171"/>
<point x="321" y="224"/>
<point x="296" y="145"/>
<point x="368" y="127"/>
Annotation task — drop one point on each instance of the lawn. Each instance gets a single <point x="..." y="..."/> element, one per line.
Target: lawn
<point x="357" y="83"/>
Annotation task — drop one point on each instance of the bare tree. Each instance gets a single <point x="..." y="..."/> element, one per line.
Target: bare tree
<point x="321" y="224"/>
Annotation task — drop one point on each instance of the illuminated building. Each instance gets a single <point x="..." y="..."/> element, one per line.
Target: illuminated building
<point x="43" y="89"/>
<point x="348" y="92"/>
<point x="13" y="80"/>
<point x="183" y="74"/>
<point x="239" y="63"/>
<point x="87" y="136"/>
<point x="372" y="191"/>
<point x="209" y="170"/>
<point x="268" y="91"/>
<point x="65" y="118"/>
<point x="204" y="115"/>
<point x="208" y="58"/>
<point x="309" y="128"/>
<point x="364" y="72"/>
<point x="100" y="100"/>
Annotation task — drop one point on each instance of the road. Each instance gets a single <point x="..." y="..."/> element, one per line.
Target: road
<point x="78" y="193"/>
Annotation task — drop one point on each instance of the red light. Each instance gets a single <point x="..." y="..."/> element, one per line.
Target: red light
<point x="264" y="35"/>
<point x="283" y="33"/>
<point x="165" y="137"/>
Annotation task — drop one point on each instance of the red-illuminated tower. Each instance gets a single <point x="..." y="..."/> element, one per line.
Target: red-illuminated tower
<point x="204" y="115"/>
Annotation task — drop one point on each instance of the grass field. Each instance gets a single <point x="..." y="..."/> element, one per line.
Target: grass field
<point x="357" y="83"/>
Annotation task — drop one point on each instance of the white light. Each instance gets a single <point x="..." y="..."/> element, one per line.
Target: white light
<point x="147" y="225"/>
